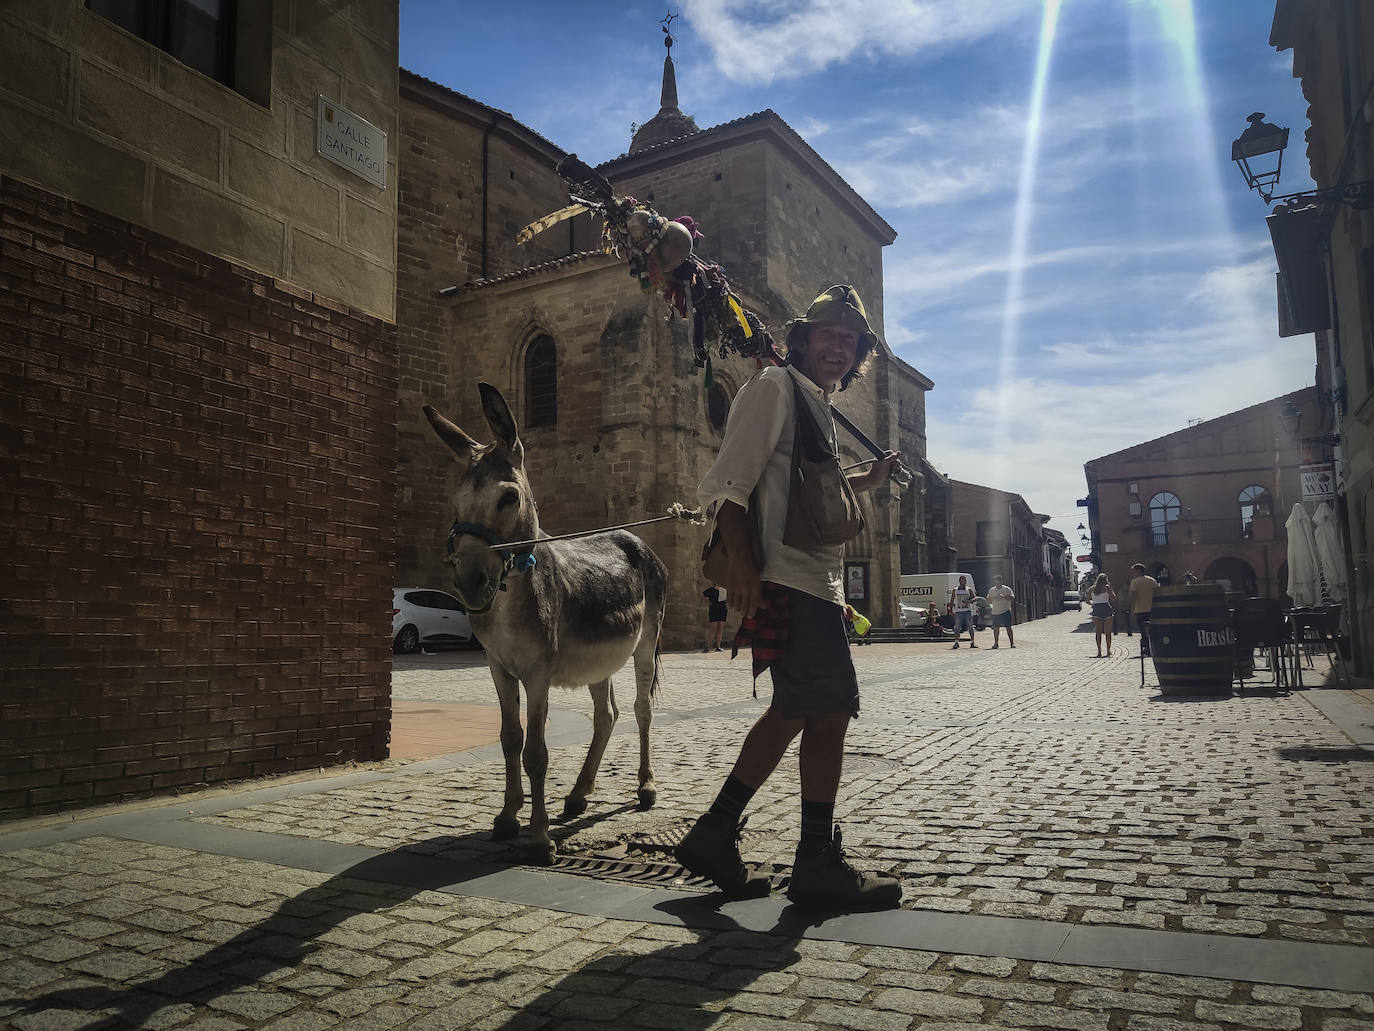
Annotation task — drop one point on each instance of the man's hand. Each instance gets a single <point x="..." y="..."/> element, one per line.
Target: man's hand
<point x="743" y="588"/>
<point x="877" y="474"/>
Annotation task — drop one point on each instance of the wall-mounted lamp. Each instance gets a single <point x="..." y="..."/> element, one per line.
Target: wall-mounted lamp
<point x="1081" y="526"/>
<point x="1258" y="152"/>
<point x="1290" y="419"/>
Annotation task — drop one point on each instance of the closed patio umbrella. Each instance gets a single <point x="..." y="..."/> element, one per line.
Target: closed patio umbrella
<point x="1303" y="585"/>
<point x="1329" y="552"/>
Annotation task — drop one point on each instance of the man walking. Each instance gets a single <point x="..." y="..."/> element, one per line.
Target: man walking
<point x="1140" y="599"/>
<point x="794" y="607"/>
<point x="961" y="598"/>
<point x="1001" y="598"/>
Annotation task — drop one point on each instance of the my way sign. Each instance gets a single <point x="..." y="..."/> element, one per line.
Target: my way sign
<point x="350" y="141"/>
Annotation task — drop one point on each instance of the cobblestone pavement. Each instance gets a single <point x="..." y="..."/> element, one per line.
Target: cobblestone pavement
<point x="1038" y="784"/>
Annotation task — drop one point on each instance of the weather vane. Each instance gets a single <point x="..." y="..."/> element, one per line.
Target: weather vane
<point x="668" y="36"/>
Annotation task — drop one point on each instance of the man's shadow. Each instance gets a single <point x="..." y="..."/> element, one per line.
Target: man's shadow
<point x="682" y="985"/>
<point x="281" y="941"/>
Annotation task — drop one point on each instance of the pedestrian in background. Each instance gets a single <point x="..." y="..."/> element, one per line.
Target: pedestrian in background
<point x="716" y="613"/>
<point x="1140" y="598"/>
<point x="1000" y="598"/>
<point x="1101" y="599"/>
<point x="961" y="598"/>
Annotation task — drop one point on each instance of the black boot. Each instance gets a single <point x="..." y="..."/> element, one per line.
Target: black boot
<point x="711" y="850"/>
<point x="821" y="876"/>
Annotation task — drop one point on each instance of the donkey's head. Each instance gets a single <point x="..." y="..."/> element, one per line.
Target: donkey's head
<point x="491" y="505"/>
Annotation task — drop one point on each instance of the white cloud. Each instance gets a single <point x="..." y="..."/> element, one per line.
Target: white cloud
<point x="760" y="42"/>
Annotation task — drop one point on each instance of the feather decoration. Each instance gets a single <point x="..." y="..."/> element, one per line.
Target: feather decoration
<point x="739" y="314"/>
<point x="548" y="221"/>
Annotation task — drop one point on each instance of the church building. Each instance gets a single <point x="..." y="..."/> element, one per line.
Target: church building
<point x="617" y="421"/>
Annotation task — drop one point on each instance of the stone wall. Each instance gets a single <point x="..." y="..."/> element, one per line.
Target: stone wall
<point x="195" y="557"/>
<point x="115" y="123"/>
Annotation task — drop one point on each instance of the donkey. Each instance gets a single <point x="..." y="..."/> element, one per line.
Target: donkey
<point x="564" y="613"/>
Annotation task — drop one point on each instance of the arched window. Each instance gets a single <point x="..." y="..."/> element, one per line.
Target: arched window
<point x="1164" y="509"/>
<point x="1254" y="501"/>
<point x="717" y="406"/>
<point x="541" y="383"/>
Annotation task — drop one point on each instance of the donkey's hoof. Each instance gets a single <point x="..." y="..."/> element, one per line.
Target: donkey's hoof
<point x="503" y="828"/>
<point x="541" y="853"/>
<point x="647" y="797"/>
<point x="574" y="806"/>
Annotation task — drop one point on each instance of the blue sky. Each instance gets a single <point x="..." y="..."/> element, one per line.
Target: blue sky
<point x="1078" y="264"/>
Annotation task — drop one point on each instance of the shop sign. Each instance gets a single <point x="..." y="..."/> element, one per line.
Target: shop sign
<point x="1318" y="482"/>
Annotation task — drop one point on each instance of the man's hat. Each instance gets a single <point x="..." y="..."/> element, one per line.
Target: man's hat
<point x="839" y="305"/>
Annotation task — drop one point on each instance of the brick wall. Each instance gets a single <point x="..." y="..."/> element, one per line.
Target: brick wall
<point x="195" y="555"/>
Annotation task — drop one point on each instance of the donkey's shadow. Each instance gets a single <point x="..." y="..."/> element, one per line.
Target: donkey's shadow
<point x="280" y="942"/>
<point x="689" y="980"/>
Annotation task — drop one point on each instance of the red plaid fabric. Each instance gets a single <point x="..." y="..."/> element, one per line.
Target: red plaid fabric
<point x="767" y="631"/>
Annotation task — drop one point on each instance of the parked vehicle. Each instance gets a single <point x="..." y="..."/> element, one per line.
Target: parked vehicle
<point x="423" y="617"/>
<point x="1073" y="600"/>
<point x="915" y="591"/>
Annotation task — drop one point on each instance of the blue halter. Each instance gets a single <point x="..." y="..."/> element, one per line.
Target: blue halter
<point x="516" y="561"/>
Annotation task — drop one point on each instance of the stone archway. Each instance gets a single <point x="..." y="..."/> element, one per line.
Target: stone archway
<point x="1235" y="573"/>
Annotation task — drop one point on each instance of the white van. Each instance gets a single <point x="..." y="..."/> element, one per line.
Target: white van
<point x="916" y="591"/>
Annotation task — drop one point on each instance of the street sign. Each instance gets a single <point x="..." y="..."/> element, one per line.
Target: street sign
<point x="351" y="141"/>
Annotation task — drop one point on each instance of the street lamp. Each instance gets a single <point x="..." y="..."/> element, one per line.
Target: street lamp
<point x="1290" y="419"/>
<point x="1261" y="146"/>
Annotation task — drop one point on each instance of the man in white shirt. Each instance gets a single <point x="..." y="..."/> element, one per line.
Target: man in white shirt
<point x="1000" y="599"/>
<point x="961" y="598"/>
<point x="794" y="606"/>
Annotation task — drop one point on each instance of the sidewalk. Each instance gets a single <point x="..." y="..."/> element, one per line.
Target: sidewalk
<point x="1076" y="852"/>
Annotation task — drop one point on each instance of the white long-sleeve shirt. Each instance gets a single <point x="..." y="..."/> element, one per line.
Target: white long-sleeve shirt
<point x="757" y="452"/>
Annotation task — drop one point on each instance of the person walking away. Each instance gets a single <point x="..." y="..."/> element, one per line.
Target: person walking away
<point x="794" y="609"/>
<point x="1000" y="598"/>
<point x="1100" y="598"/>
<point x="717" y="611"/>
<point x="1140" y="598"/>
<point x="961" y="598"/>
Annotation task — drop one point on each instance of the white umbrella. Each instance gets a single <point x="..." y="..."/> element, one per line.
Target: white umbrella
<point x="1329" y="552"/>
<point x="1302" y="558"/>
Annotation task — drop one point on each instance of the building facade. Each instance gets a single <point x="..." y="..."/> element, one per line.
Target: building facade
<point x="618" y="422"/>
<point x="997" y="534"/>
<point x="1324" y="248"/>
<point x="1211" y="499"/>
<point x="199" y="397"/>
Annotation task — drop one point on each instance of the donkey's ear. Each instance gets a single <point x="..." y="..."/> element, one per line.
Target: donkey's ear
<point x="463" y="446"/>
<point x="499" y="418"/>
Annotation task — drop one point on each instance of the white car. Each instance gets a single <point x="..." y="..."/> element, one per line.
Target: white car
<point x="1072" y="600"/>
<point x="423" y="617"/>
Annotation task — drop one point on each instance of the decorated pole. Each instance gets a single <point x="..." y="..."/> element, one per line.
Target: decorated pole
<point x="662" y="256"/>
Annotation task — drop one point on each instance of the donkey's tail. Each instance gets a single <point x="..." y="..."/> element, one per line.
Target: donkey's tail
<point x="658" y="661"/>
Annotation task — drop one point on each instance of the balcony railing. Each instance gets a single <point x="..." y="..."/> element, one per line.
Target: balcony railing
<point x="1212" y="531"/>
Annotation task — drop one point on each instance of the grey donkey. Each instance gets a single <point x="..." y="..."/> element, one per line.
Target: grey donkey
<point x="572" y="618"/>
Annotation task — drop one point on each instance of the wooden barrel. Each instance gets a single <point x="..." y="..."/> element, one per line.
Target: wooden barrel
<point x="1191" y="640"/>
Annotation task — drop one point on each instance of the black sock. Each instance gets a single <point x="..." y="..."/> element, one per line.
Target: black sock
<point x="734" y="796"/>
<point x="817" y="820"/>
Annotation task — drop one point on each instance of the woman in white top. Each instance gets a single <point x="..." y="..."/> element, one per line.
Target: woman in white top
<point x="1100" y="598"/>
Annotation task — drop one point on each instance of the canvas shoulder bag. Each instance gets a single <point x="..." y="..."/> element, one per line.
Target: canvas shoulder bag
<point x="822" y="508"/>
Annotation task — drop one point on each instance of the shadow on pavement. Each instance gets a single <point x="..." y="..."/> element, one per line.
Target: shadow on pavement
<point x="281" y="941"/>
<point x="1349" y="754"/>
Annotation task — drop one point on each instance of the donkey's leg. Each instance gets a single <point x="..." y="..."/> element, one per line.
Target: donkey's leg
<point x="536" y="768"/>
<point x="603" y="721"/>
<point x="646" y="679"/>
<point x="507" y="823"/>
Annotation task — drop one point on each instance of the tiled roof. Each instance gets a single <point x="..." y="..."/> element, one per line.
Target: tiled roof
<point x="758" y="116"/>
<point x="407" y="73"/>
<point x="521" y="273"/>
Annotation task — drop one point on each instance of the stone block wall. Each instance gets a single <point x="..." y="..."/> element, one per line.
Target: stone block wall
<point x="195" y="554"/>
<point x="112" y="121"/>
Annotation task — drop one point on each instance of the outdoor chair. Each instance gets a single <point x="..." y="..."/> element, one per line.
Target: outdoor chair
<point x="1260" y="627"/>
<point x="1320" y="631"/>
